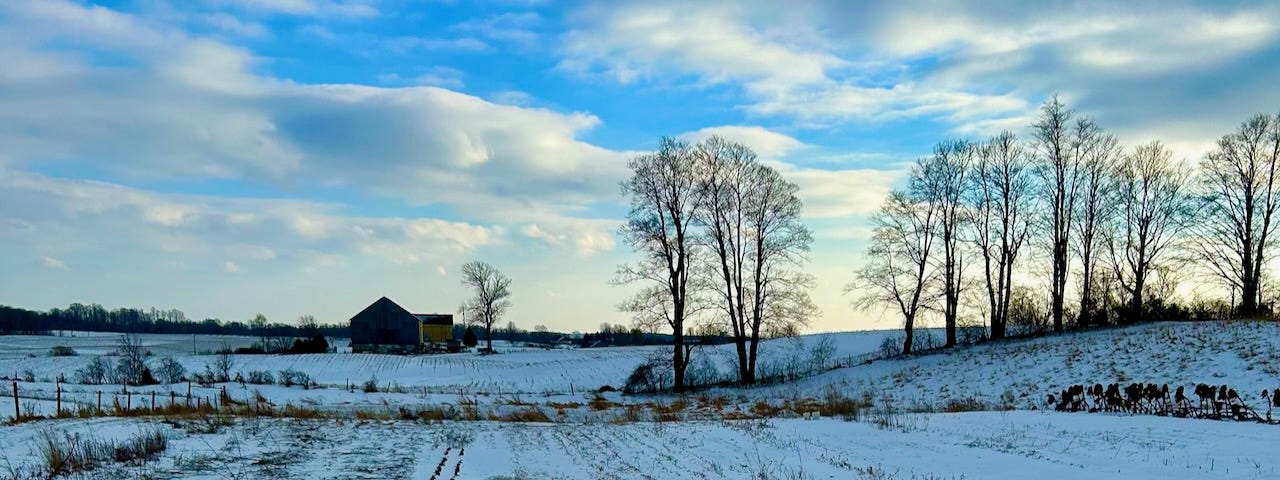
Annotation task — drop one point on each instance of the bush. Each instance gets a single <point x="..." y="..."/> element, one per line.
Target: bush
<point x="28" y="376"/>
<point x="93" y="373"/>
<point x="290" y="377"/>
<point x="370" y="385"/>
<point x="654" y="375"/>
<point x="62" y="351"/>
<point x="890" y="346"/>
<point x="261" y="377"/>
<point x="316" y="344"/>
<point x="170" y="371"/>
<point x="469" y="337"/>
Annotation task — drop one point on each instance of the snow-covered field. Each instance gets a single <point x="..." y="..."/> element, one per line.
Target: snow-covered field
<point x="600" y="444"/>
<point x="519" y="370"/>
<point x="979" y="445"/>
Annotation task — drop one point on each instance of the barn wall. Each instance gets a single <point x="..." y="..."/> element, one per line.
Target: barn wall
<point x="384" y="323"/>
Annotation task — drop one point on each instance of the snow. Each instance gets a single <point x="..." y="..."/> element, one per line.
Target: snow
<point x="1244" y="355"/>
<point x="988" y="445"/>
<point x="590" y="444"/>
<point x="518" y="370"/>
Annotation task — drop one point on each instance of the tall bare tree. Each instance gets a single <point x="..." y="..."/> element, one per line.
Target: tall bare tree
<point x="1098" y="152"/>
<point x="490" y="296"/>
<point x="1153" y="207"/>
<point x="780" y="243"/>
<point x="898" y="273"/>
<point x="1000" y="204"/>
<point x="1242" y="195"/>
<point x="1059" y="171"/>
<point x="940" y="180"/>
<point x="663" y="192"/>
<point x="750" y="224"/>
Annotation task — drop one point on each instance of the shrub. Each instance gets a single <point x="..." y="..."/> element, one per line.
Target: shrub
<point x="370" y="385"/>
<point x="28" y="376"/>
<point x="290" y="377"/>
<point x="469" y="337"/>
<point x="221" y="365"/>
<point x="316" y="344"/>
<point x="654" y="375"/>
<point x="890" y="346"/>
<point x="62" y="351"/>
<point x="170" y="371"/>
<point x="93" y="373"/>
<point x="261" y="377"/>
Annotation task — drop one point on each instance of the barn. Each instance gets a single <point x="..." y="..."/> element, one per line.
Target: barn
<point x="386" y="327"/>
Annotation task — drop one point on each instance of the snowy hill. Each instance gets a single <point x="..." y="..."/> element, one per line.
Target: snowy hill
<point x="1245" y="355"/>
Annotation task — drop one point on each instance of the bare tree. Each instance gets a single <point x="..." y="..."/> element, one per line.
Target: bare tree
<point x="1153" y="209"/>
<point x="780" y="300"/>
<point x="898" y="271"/>
<point x="940" y="180"/>
<point x="491" y="296"/>
<point x="663" y="194"/>
<point x="1059" y="171"/>
<point x="1000" y="202"/>
<point x="308" y="326"/>
<point x="1098" y="152"/>
<point x="259" y="326"/>
<point x="1242" y="195"/>
<point x="750" y="219"/>
<point x="132" y="364"/>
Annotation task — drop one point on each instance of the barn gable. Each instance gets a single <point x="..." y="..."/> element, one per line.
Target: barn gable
<point x="384" y="323"/>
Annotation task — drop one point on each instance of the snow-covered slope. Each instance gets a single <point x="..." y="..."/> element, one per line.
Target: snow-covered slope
<point x="1245" y="355"/>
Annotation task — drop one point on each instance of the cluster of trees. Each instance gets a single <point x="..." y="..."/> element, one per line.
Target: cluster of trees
<point x="96" y="318"/>
<point x="132" y="367"/>
<point x="720" y="241"/>
<point x="1115" y="225"/>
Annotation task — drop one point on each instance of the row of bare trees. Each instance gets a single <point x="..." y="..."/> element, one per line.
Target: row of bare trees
<point x="721" y="244"/>
<point x="1123" y="219"/>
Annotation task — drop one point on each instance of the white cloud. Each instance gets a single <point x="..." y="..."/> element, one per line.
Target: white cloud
<point x="79" y="216"/>
<point x="643" y="41"/>
<point x="231" y="267"/>
<point x="321" y="8"/>
<point x="840" y="193"/>
<point x="54" y="263"/>
<point x="193" y="108"/>
<point x="766" y="143"/>
<point x="230" y="24"/>
<point x="977" y="68"/>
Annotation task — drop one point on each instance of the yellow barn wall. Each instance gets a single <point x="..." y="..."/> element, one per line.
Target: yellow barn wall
<point x="436" y="333"/>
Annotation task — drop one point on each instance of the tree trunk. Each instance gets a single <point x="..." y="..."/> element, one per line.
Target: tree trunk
<point x="1059" y="285"/>
<point x="744" y="370"/>
<point x="909" y="336"/>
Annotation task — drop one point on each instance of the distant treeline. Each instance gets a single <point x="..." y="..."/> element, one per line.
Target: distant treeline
<point x="96" y="318"/>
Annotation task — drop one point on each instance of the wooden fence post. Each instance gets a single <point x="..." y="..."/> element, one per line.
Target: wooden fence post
<point x="99" y="402"/>
<point x="128" y="399"/>
<point x="58" y="400"/>
<point x="16" y="413"/>
<point x="153" y="401"/>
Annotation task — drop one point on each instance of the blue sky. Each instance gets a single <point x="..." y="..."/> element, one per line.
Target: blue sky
<point x="229" y="157"/>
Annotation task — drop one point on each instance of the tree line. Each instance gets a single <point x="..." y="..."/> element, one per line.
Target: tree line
<point x="1113" y="229"/>
<point x="96" y="318"/>
<point x="720" y="242"/>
